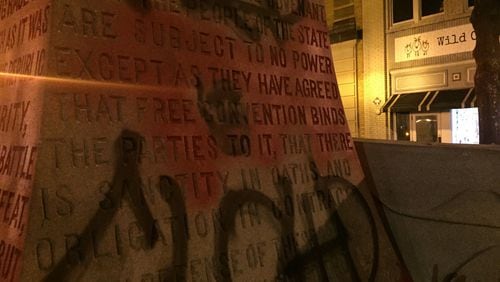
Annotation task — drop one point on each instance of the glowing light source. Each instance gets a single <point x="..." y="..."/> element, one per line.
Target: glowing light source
<point x="93" y="83"/>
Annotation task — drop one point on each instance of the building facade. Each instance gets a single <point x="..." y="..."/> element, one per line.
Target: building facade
<point x="413" y="69"/>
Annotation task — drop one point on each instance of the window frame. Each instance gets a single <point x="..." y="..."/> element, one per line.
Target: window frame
<point x="391" y="8"/>
<point x="414" y="126"/>
<point x="421" y="15"/>
<point x="417" y="13"/>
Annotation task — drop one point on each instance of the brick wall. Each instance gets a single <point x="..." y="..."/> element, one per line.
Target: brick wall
<point x="375" y="84"/>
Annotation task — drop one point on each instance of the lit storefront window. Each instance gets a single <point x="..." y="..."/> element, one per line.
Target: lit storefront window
<point x="426" y="127"/>
<point x="465" y="126"/>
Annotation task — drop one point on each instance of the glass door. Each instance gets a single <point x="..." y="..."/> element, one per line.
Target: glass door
<point x="425" y="128"/>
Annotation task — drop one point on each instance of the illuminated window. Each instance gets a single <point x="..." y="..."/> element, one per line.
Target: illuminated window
<point x="426" y="128"/>
<point x="431" y="7"/>
<point x="465" y="126"/>
<point x="402" y="10"/>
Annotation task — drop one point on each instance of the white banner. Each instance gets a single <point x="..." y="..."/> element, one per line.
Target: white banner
<point x="441" y="42"/>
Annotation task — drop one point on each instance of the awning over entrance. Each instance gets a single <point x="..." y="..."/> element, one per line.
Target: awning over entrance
<point x="402" y="103"/>
<point x="431" y="101"/>
<point x="451" y="99"/>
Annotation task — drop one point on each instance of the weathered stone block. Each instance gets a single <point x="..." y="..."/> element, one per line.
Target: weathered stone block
<point x="179" y="141"/>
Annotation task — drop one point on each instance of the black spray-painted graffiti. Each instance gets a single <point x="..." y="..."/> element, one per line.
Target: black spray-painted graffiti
<point x="127" y="172"/>
<point x="333" y="239"/>
<point x="293" y="268"/>
<point x="290" y="268"/>
<point x="208" y="102"/>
